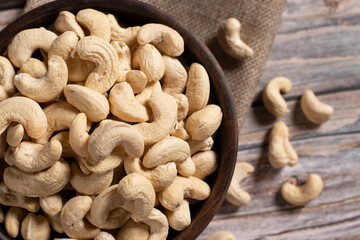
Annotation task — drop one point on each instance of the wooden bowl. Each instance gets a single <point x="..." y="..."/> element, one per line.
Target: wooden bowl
<point x="133" y="12"/>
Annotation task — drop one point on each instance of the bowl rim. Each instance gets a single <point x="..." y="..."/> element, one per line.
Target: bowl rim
<point x="214" y="70"/>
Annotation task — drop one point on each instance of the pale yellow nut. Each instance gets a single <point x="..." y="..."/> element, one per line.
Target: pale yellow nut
<point x="127" y="35"/>
<point x="14" y="135"/>
<point x="158" y="224"/>
<point x="133" y="230"/>
<point x="33" y="67"/>
<point x="205" y="164"/>
<point x="230" y="40"/>
<point x="186" y="168"/>
<point x="301" y="195"/>
<point x="35" y="227"/>
<point x="175" y="76"/>
<point x="13" y="219"/>
<point x="179" y="131"/>
<point x="281" y="153"/>
<point x="78" y="135"/>
<point x="96" y="22"/>
<point x="7" y="73"/>
<point x="235" y="195"/>
<point x="52" y="206"/>
<point x="64" y="45"/>
<point x="316" y="111"/>
<point x="124" y="54"/>
<point x="180" y="218"/>
<point x="200" y="145"/>
<point x="10" y="156"/>
<point x="137" y="80"/>
<point x="183" y="106"/>
<point x="146" y="93"/>
<point x="222" y="235"/>
<point x="104" y="236"/>
<point x="66" y="22"/>
<point x="272" y="98"/>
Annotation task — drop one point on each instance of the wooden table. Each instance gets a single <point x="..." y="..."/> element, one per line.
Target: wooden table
<point x="318" y="48"/>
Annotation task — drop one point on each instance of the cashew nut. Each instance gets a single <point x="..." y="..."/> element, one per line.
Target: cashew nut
<point x="175" y="76"/>
<point x="201" y="145"/>
<point x="96" y="22"/>
<point x="165" y="38"/>
<point x="10" y="198"/>
<point x="104" y="236"/>
<point x="10" y="156"/>
<point x="126" y="35"/>
<point x="137" y="80"/>
<point x="158" y="223"/>
<point x="272" y="98"/>
<point x="281" y="153"/>
<point x="164" y="110"/>
<point x="235" y="195"/>
<point x="205" y="164"/>
<point x="72" y="218"/>
<point x="316" y="111"/>
<point x="197" y="88"/>
<point x="133" y="230"/>
<point x="124" y="54"/>
<point x="66" y="22"/>
<point x="35" y="227"/>
<point x="39" y="184"/>
<point x="180" y="218"/>
<point x="186" y="168"/>
<point x="300" y="196"/>
<point x="33" y="67"/>
<point x="7" y="73"/>
<point x="203" y="123"/>
<point x="101" y="53"/>
<point x="14" y="135"/>
<point x="32" y="157"/>
<point x="63" y="45"/>
<point x="78" y="135"/>
<point x="183" y="106"/>
<point x="179" y="130"/>
<point x="26" y="42"/>
<point x="111" y="162"/>
<point x="144" y="96"/>
<point x="173" y="196"/>
<point x="63" y="138"/>
<point x="230" y="40"/>
<point x="149" y="60"/>
<point x="91" y="184"/>
<point x="52" y="206"/>
<point x="222" y="235"/>
<point x="13" y="219"/>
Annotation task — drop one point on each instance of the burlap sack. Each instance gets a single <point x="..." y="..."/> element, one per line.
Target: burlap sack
<point x="259" y="19"/>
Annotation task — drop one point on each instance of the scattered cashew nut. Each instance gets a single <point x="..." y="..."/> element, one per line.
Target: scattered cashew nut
<point x="316" y="111"/>
<point x="272" y="98"/>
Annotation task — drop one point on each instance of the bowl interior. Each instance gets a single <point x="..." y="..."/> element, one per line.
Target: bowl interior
<point x="132" y="12"/>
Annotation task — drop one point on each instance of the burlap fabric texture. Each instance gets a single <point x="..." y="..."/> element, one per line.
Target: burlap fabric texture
<point x="259" y="19"/>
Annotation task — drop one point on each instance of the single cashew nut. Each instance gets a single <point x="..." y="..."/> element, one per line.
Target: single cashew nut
<point x="300" y="196"/>
<point x="10" y="198"/>
<point x="173" y="196"/>
<point x="78" y="135"/>
<point x="35" y="227"/>
<point x="180" y="218"/>
<point x="205" y="164"/>
<point x="186" y="168"/>
<point x="39" y="184"/>
<point x="179" y="130"/>
<point x="111" y="162"/>
<point x="230" y="40"/>
<point x="101" y="53"/>
<point x="96" y="22"/>
<point x="33" y="67"/>
<point x="26" y="42"/>
<point x="165" y="38"/>
<point x="175" y="76"/>
<point x="14" y="135"/>
<point x="316" y="111"/>
<point x="149" y="60"/>
<point x="183" y="106"/>
<point x="222" y="235"/>
<point x="63" y="45"/>
<point x="52" y="206"/>
<point x="126" y="35"/>
<point x="144" y="96"/>
<point x="63" y="138"/>
<point x="104" y="236"/>
<point x="197" y="88"/>
<point x="200" y="145"/>
<point x="159" y="225"/>
<point x="7" y="73"/>
<point x="24" y="111"/>
<point x="72" y="218"/>
<point x="203" y="123"/>
<point x="133" y="230"/>
<point x="281" y="153"/>
<point x="235" y="195"/>
<point x="66" y="22"/>
<point x="48" y="87"/>
<point x="13" y="219"/>
<point x="272" y="98"/>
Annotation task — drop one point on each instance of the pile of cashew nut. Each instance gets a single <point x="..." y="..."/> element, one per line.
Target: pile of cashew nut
<point x="109" y="133"/>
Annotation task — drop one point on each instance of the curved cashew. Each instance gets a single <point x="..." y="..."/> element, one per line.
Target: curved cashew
<point x="108" y="136"/>
<point x="159" y="225"/>
<point x="160" y="177"/>
<point x="169" y="149"/>
<point x="109" y="163"/>
<point x="60" y="116"/>
<point x="52" y="206"/>
<point x="63" y="138"/>
<point x="79" y="69"/>
<point x="302" y="195"/>
<point x="72" y="218"/>
<point x="133" y="230"/>
<point x="180" y="218"/>
<point x="63" y="45"/>
<point x="222" y="235"/>
<point x="10" y="198"/>
<point x="91" y="184"/>
<point x="32" y="157"/>
<point x="66" y="22"/>
<point x="235" y="194"/>
<point x="183" y="106"/>
<point x="101" y="53"/>
<point x="126" y="35"/>
<point x="165" y="38"/>
<point x="14" y="135"/>
<point x="316" y="111"/>
<point x="92" y="103"/>
<point x="281" y="153"/>
<point x="272" y="98"/>
<point x="10" y="156"/>
<point x="144" y="96"/>
<point x="33" y="67"/>
<point x="230" y="40"/>
<point x="96" y="22"/>
<point x="35" y="227"/>
<point x="78" y="135"/>
<point x="149" y="60"/>
<point x="203" y="123"/>
<point x="164" y="110"/>
<point x="201" y="145"/>
<point x="104" y="236"/>
<point x="26" y="42"/>
<point x="39" y="184"/>
<point x="24" y="111"/>
<point x="13" y="219"/>
<point x="48" y="87"/>
<point x="186" y="168"/>
<point x="124" y="105"/>
<point x="175" y="76"/>
<point x="205" y="164"/>
<point x="7" y="73"/>
<point x="137" y="80"/>
<point x="179" y="130"/>
<point x="173" y="196"/>
<point x="197" y="87"/>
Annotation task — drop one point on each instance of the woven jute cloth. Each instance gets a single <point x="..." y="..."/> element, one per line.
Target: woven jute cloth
<point x="259" y="19"/>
